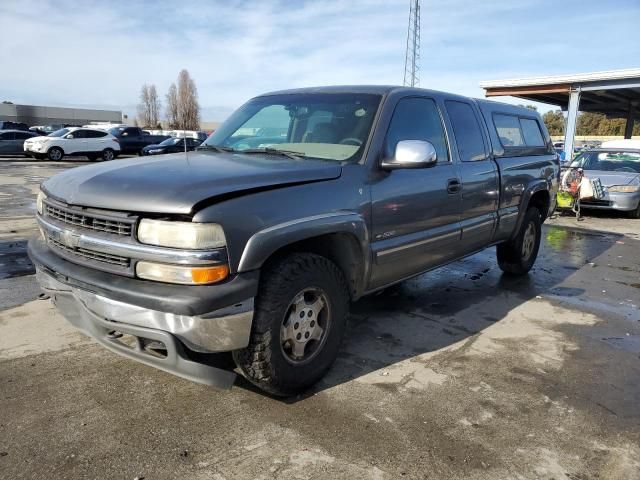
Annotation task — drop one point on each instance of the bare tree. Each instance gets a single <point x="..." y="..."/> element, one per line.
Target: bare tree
<point x="154" y="107"/>
<point x="188" y="106"/>
<point x="149" y="106"/>
<point x="172" y="106"/>
<point x="144" y="109"/>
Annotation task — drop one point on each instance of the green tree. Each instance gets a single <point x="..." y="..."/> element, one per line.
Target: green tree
<point x="554" y="121"/>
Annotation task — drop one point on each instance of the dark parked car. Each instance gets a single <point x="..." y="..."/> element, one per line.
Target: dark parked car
<point x="7" y="125"/>
<point x="171" y="145"/>
<point x="257" y="245"/>
<point x="133" y="139"/>
<point x="12" y="141"/>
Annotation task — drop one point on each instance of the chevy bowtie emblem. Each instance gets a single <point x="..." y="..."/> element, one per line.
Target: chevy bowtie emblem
<point x="70" y="239"/>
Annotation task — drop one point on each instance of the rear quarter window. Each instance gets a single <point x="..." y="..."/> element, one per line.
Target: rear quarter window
<point x="508" y="128"/>
<point x="531" y="132"/>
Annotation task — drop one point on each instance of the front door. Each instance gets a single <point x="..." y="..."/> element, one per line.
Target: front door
<point x="415" y="212"/>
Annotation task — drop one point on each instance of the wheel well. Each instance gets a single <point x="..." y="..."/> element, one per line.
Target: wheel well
<point x="342" y="249"/>
<point x="541" y="201"/>
<point x="55" y="146"/>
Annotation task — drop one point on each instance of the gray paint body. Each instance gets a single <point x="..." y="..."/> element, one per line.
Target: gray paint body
<point x="404" y="221"/>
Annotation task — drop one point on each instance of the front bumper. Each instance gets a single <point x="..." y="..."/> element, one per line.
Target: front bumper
<point x="625" y="202"/>
<point x="99" y="309"/>
<point x="74" y="305"/>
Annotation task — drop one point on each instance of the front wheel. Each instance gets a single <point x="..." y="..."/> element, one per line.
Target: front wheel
<point x="518" y="255"/>
<point x="300" y="317"/>
<point x="55" y="154"/>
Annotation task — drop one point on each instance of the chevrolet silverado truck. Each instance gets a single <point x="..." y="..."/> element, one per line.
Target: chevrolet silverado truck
<point x="257" y="242"/>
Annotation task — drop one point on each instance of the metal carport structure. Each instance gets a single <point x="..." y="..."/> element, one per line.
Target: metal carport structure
<point x="615" y="93"/>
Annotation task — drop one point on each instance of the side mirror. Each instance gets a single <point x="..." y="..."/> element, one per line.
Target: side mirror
<point x="411" y="154"/>
<point x="69" y="136"/>
<point x="125" y="134"/>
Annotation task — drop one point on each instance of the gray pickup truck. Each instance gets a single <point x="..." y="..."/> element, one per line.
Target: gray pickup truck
<point x="300" y="203"/>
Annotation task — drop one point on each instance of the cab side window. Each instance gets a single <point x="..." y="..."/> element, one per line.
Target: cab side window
<point x="466" y="129"/>
<point x="416" y="118"/>
<point x="77" y="134"/>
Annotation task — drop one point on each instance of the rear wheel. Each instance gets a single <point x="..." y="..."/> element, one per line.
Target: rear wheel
<point x="299" y="320"/>
<point x="108" y="154"/>
<point x="518" y="255"/>
<point x="55" y="154"/>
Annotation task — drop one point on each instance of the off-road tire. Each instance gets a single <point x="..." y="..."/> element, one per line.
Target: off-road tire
<point x="263" y="361"/>
<point x="55" y="154"/>
<point x="510" y="254"/>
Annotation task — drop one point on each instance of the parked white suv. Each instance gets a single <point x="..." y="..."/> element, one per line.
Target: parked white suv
<point x="89" y="142"/>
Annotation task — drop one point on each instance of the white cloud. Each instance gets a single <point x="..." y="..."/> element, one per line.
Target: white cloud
<point x="99" y="53"/>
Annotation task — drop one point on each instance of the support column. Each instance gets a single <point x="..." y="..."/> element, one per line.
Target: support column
<point x="628" y="129"/>
<point x="572" y="118"/>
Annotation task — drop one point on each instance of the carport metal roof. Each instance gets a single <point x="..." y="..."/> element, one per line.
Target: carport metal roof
<point x="611" y="93"/>
<point x="615" y="93"/>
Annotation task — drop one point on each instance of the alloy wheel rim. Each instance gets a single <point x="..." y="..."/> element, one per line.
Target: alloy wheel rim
<point x="55" y="154"/>
<point x="108" y="155"/>
<point x="305" y="326"/>
<point x="528" y="241"/>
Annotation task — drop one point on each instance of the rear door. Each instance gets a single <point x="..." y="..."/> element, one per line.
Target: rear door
<point x="18" y="142"/>
<point x="96" y="141"/>
<point x="415" y="212"/>
<point x="479" y="174"/>
<point x="75" y="142"/>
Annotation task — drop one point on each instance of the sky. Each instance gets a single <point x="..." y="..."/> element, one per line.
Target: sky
<point x="99" y="54"/>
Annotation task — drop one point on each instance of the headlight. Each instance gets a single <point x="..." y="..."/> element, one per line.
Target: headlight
<point x="40" y="202"/>
<point x="161" y="272"/>
<point x="624" y="188"/>
<point x="181" y="234"/>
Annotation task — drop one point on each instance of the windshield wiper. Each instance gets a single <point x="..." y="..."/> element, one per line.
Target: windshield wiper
<point x="274" y="151"/>
<point x="217" y="148"/>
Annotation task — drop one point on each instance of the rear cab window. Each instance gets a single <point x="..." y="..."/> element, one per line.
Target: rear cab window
<point x="466" y="130"/>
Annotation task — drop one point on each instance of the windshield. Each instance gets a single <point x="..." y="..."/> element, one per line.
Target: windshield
<point x="170" y="141"/>
<point x="609" y="161"/>
<point x="316" y="125"/>
<point x="59" y="133"/>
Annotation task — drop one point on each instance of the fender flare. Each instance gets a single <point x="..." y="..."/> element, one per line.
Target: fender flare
<point x="533" y="188"/>
<point x="264" y="243"/>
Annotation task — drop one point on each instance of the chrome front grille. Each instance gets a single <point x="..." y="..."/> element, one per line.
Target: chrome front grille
<point x="89" y="220"/>
<point x="91" y="255"/>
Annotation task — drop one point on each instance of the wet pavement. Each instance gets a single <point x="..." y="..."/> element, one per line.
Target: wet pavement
<point x="458" y="373"/>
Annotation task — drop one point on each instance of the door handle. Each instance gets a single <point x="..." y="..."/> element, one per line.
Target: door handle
<point x="453" y="185"/>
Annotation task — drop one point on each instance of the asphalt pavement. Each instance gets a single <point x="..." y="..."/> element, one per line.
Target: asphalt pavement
<point x="458" y="373"/>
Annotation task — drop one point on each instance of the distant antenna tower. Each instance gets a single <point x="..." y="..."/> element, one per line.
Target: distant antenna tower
<point x="412" y="56"/>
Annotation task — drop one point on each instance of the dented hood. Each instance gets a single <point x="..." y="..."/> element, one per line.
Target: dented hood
<point x="176" y="183"/>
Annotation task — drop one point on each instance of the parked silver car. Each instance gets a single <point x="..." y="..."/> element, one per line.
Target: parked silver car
<point x="619" y="171"/>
